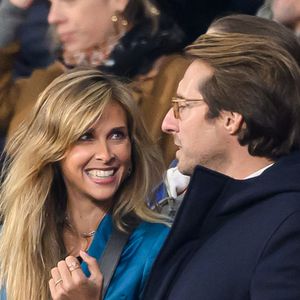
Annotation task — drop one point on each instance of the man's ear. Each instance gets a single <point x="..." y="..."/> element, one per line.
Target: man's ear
<point x="232" y="121"/>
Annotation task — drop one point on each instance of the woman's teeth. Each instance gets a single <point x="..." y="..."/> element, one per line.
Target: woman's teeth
<point x="101" y="173"/>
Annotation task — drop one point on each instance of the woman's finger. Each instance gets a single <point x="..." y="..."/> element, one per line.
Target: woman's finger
<point x="65" y="274"/>
<point x="56" y="282"/>
<point x="74" y="270"/>
<point x="56" y="276"/>
<point x="52" y="288"/>
<point x="94" y="269"/>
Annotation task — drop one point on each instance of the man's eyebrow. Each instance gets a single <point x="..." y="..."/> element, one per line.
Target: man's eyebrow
<point x="180" y="96"/>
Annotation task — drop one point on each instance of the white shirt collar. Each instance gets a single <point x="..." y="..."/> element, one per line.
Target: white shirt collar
<point x="259" y="172"/>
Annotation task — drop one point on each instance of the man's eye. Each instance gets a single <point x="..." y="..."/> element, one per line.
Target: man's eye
<point x="182" y="106"/>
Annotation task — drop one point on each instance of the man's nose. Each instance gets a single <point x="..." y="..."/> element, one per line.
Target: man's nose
<point x="169" y="124"/>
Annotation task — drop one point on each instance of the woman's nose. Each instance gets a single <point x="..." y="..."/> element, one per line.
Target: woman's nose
<point x="55" y="15"/>
<point x="103" y="153"/>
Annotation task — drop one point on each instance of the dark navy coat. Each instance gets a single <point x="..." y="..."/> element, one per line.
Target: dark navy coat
<point x="234" y="239"/>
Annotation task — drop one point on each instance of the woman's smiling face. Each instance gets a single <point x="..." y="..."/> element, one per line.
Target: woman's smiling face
<point x="96" y="165"/>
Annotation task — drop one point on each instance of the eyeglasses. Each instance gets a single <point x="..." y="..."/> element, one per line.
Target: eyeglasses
<point x="179" y="103"/>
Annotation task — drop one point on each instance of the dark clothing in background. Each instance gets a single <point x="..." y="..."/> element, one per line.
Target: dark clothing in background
<point x="194" y="16"/>
<point x="35" y="51"/>
<point x="34" y="38"/>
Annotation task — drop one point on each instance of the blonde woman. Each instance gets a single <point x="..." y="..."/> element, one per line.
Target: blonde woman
<point x="82" y="165"/>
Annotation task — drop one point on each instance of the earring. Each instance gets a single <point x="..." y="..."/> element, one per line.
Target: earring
<point x="114" y="18"/>
<point x="124" y="22"/>
<point x="118" y="20"/>
<point x="129" y="171"/>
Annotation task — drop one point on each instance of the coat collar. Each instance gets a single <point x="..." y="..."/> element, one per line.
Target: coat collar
<point x="211" y="195"/>
<point x="282" y="177"/>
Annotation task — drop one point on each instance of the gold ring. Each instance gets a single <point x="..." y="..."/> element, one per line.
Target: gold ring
<point x="73" y="266"/>
<point x="58" y="281"/>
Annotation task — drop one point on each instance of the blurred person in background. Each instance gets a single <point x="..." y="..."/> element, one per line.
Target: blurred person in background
<point x="194" y="16"/>
<point x="286" y="12"/>
<point x="33" y="35"/>
<point x="130" y="38"/>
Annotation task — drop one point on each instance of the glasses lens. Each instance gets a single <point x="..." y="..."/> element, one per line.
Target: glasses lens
<point x="176" y="110"/>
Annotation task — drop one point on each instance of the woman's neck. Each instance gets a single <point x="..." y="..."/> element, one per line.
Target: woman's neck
<point x="81" y="223"/>
<point x="85" y="217"/>
<point x="97" y="54"/>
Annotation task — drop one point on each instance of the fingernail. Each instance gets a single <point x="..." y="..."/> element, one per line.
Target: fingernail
<point x="83" y="254"/>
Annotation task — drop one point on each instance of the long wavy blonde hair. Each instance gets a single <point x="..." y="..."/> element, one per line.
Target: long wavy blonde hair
<point x="33" y="196"/>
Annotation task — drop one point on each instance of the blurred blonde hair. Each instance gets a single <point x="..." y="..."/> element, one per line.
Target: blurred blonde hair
<point x="33" y="197"/>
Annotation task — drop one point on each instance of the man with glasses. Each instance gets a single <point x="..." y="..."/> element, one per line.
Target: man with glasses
<point x="236" y="122"/>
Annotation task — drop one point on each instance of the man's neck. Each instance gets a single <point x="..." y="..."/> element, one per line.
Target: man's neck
<point x="244" y="167"/>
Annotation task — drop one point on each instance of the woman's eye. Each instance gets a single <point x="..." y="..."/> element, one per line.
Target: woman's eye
<point x="117" y="135"/>
<point x="86" y="137"/>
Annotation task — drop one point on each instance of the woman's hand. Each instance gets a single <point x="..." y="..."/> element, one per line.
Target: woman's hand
<point x="68" y="282"/>
<point x="22" y="3"/>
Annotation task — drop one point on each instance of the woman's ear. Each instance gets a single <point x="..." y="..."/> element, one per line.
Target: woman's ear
<point x="233" y="121"/>
<point x="120" y="5"/>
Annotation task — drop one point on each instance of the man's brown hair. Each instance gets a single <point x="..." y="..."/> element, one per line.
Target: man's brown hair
<point x="258" y="79"/>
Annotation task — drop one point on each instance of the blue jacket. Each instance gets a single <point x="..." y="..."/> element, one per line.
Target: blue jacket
<point x="136" y="259"/>
<point x="132" y="272"/>
<point x="234" y="239"/>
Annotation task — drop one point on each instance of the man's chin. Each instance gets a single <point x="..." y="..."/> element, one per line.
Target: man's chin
<point x="184" y="169"/>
